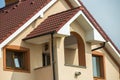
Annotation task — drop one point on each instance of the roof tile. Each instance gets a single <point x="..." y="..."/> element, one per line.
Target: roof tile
<point x="14" y="16"/>
<point x="53" y="23"/>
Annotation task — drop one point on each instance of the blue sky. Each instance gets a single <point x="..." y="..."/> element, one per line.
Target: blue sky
<point x="107" y="14"/>
<point x="2" y="3"/>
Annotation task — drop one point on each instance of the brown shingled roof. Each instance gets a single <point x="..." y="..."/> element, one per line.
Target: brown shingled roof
<point x="14" y="16"/>
<point x="53" y="23"/>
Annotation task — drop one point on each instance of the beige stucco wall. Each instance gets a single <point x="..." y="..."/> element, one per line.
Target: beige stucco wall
<point x="68" y="72"/>
<point x="71" y="56"/>
<point x="35" y="50"/>
<point x="44" y="73"/>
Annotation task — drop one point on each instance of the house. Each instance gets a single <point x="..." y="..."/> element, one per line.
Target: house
<point x="54" y="40"/>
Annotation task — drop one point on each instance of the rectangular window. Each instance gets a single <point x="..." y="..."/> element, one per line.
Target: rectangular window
<point x="16" y="58"/>
<point x="46" y="59"/>
<point x="98" y="66"/>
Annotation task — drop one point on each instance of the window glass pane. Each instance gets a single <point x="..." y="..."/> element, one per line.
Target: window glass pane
<point x="15" y="59"/>
<point x="96" y="66"/>
<point x="16" y="62"/>
<point x="46" y="59"/>
<point x="9" y="59"/>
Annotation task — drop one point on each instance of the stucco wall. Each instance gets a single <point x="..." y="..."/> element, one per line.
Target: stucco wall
<point x="71" y="57"/>
<point x="44" y="73"/>
<point x="68" y="72"/>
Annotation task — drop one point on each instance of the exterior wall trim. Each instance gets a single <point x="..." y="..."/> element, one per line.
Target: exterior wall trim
<point x="40" y="13"/>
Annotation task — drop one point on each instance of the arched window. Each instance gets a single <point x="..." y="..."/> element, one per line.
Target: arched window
<point x="74" y="50"/>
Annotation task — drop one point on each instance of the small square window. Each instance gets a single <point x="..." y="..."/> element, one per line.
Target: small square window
<point x="16" y="58"/>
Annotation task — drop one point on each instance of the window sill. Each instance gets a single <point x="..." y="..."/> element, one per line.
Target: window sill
<point x="76" y="66"/>
<point x="41" y="67"/>
<point x="18" y="70"/>
<point x="98" y="78"/>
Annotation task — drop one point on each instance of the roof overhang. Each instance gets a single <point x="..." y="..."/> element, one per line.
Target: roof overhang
<point x="115" y="54"/>
<point x="92" y="35"/>
<point x="39" y="40"/>
<point x="40" y="13"/>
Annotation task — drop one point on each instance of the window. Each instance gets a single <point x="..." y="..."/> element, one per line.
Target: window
<point x="74" y="50"/>
<point x="16" y="58"/>
<point x="46" y="59"/>
<point x="46" y="54"/>
<point x="98" y="66"/>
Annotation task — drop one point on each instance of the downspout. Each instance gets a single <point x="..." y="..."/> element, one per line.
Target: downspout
<point x="103" y="45"/>
<point x="53" y="61"/>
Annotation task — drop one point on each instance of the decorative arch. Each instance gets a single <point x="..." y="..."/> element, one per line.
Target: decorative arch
<point x="80" y="46"/>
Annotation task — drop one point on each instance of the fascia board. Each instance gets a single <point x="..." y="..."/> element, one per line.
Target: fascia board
<point x="112" y="47"/>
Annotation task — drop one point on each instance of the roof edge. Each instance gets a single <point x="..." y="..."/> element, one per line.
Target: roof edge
<point x="52" y="32"/>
